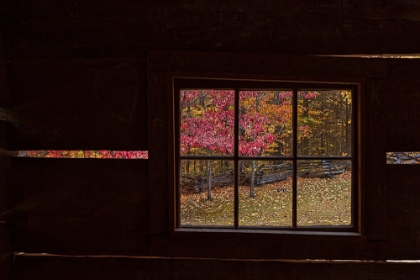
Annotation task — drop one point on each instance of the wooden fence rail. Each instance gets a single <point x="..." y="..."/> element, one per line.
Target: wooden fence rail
<point x="266" y="174"/>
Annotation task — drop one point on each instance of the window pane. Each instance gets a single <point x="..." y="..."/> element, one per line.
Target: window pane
<point x="206" y="192"/>
<point x="324" y="123"/>
<point x="265" y="124"/>
<point x="206" y="122"/>
<point x="265" y="193"/>
<point x="324" y="192"/>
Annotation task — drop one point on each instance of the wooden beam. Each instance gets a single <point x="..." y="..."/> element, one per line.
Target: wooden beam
<point x="248" y="32"/>
<point x="62" y="267"/>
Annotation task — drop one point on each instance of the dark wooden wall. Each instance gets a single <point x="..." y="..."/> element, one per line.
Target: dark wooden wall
<point x="5" y="242"/>
<point x="97" y="29"/>
<point x="75" y="74"/>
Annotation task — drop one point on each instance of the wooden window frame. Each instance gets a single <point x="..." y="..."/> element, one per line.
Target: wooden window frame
<point x="369" y="75"/>
<point x="193" y="80"/>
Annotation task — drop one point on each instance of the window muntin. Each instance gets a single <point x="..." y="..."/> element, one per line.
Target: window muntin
<point x="281" y="136"/>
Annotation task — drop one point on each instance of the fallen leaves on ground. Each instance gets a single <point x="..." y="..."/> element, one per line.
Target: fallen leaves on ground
<point x="319" y="202"/>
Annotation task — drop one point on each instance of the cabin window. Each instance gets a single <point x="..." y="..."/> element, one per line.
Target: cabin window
<point x="265" y="155"/>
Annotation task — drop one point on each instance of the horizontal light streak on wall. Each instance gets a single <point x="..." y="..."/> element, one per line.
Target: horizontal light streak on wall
<point x="320" y="261"/>
<point x="98" y="154"/>
<point x="403" y="158"/>
<point x="392" y="56"/>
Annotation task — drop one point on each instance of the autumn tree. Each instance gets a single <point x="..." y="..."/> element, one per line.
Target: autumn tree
<point x="262" y="113"/>
<point x="207" y="118"/>
<point x="265" y="125"/>
<point x="324" y="122"/>
<point x="207" y="121"/>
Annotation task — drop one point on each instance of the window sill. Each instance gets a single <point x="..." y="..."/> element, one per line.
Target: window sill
<point x="261" y="233"/>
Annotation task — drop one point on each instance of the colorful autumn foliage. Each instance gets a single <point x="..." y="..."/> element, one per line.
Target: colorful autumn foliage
<point x="104" y="154"/>
<point x="207" y="121"/>
<point x="264" y="128"/>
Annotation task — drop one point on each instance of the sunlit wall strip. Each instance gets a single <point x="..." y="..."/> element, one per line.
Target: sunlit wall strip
<point x="98" y="154"/>
<point x="403" y="158"/>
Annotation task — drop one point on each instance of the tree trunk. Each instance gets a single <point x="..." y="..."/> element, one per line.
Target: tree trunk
<point x="305" y="114"/>
<point x="341" y="125"/>
<point x="209" y="175"/>
<point x="348" y="126"/>
<point x="251" y="188"/>
<point x="323" y="150"/>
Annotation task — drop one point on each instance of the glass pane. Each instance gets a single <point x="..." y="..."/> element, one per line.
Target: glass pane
<point x="207" y="121"/>
<point x="324" y="192"/>
<point x="324" y="123"/>
<point x="207" y="192"/>
<point x="265" y="193"/>
<point x="265" y="124"/>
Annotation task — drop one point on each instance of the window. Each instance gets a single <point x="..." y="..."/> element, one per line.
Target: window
<point x="265" y="154"/>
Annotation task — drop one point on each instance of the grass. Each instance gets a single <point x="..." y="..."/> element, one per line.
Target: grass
<point x="319" y="202"/>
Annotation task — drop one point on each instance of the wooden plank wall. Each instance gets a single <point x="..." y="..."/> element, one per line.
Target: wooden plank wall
<point x="79" y="206"/>
<point x="5" y="245"/>
<point x="5" y="251"/>
<point x="77" y="72"/>
<point x="400" y="102"/>
<point x="78" y="104"/>
<point x="152" y="268"/>
<point x="126" y="29"/>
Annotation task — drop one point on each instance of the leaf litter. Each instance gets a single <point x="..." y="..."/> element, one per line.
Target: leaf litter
<point x="319" y="202"/>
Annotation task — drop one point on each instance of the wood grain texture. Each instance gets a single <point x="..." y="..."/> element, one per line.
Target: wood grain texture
<point x="403" y="211"/>
<point x="402" y="102"/>
<point x="4" y="85"/>
<point x="79" y="104"/>
<point x="158" y="152"/>
<point x="5" y="246"/>
<point x="394" y="121"/>
<point x="3" y="186"/>
<point x="265" y="246"/>
<point x="5" y="251"/>
<point x="4" y="105"/>
<point x="143" y="268"/>
<point x="263" y="64"/>
<point x="375" y="141"/>
<point x="208" y="10"/>
<point x="78" y="205"/>
<point x="202" y="26"/>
